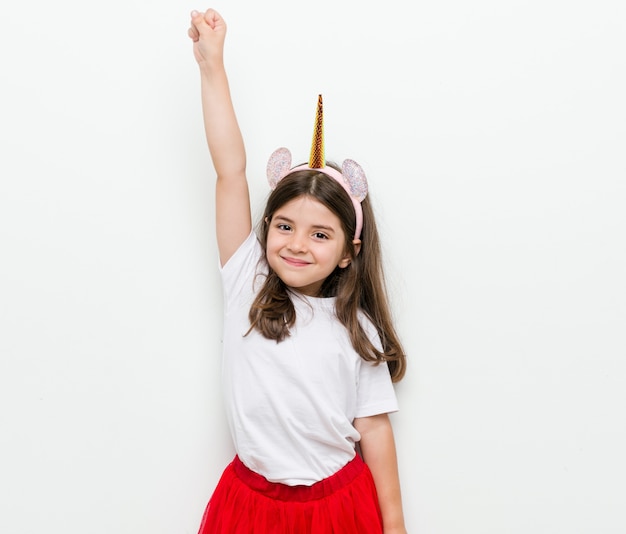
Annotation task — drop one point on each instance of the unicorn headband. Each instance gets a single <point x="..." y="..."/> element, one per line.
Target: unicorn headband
<point x="351" y="178"/>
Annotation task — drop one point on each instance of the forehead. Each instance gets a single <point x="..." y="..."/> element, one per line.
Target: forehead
<point x="308" y="210"/>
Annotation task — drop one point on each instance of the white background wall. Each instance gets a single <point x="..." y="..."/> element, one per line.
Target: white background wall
<point x="493" y="136"/>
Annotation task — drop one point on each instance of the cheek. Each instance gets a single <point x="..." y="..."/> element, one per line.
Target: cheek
<point x="330" y="256"/>
<point x="272" y="248"/>
<point x="271" y="260"/>
<point x="272" y="243"/>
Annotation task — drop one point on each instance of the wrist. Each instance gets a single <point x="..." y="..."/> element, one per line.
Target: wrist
<point x="211" y="65"/>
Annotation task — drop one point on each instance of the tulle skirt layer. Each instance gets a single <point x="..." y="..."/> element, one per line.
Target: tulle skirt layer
<point x="244" y="502"/>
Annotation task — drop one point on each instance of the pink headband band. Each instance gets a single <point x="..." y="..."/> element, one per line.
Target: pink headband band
<point x="351" y="178"/>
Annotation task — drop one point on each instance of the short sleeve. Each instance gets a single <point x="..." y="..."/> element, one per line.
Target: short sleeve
<point x="375" y="391"/>
<point x="239" y="271"/>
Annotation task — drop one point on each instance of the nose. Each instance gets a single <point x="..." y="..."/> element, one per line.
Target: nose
<point x="297" y="243"/>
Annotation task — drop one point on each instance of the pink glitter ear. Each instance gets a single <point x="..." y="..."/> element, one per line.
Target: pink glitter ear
<point x="278" y="166"/>
<point x="354" y="176"/>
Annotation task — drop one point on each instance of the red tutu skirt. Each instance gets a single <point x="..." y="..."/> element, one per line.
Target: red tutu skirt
<point x="244" y="502"/>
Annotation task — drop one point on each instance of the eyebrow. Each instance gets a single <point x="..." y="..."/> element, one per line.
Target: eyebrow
<point x="316" y="226"/>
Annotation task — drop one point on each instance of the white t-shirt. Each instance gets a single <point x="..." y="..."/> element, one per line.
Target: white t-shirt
<point x="290" y="405"/>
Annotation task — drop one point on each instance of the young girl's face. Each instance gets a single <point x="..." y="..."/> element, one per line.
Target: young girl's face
<point x="305" y="243"/>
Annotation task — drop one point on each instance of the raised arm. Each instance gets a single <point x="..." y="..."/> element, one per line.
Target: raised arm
<point x="232" y="211"/>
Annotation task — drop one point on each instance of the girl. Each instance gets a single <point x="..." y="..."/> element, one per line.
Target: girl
<point x="309" y="349"/>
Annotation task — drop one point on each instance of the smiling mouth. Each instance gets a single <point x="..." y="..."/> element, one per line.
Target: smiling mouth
<point x="295" y="262"/>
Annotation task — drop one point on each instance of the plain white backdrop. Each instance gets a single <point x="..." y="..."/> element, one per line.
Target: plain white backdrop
<point x="493" y="136"/>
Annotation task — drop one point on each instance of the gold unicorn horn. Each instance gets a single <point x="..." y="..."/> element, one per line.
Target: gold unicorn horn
<point x="317" y="160"/>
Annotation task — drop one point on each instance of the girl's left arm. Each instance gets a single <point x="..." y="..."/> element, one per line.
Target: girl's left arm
<point x="379" y="453"/>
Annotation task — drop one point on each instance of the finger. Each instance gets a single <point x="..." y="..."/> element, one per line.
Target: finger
<point x="212" y="18"/>
<point x="197" y="21"/>
<point x="193" y="34"/>
<point x="209" y="16"/>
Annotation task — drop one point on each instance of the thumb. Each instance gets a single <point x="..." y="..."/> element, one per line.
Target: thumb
<point x="197" y="21"/>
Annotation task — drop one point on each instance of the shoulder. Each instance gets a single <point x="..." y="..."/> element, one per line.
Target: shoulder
<point x="369" y="328"/>
<point x="243" y="266"/>
<point x="248" y="248"/>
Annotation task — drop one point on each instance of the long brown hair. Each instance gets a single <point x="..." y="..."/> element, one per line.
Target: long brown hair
<point x="359" y="286"/>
